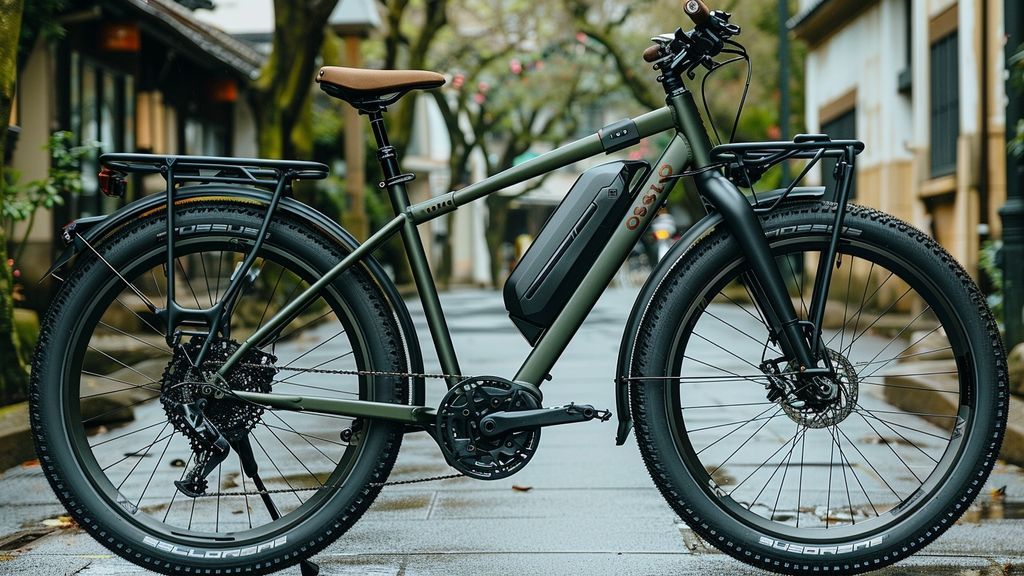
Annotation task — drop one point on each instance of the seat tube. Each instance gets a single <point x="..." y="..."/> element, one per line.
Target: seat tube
<point x="394" y="182"/>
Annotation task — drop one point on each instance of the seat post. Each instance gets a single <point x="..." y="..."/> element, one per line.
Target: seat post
<point x="394" y="182"/>
<point x="387" y="155"/>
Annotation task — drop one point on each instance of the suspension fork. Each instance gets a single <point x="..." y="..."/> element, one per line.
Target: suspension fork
<point x="770" y="287"/>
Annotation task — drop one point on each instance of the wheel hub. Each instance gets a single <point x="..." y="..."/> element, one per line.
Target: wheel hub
<point x="835" y="400"/>
<point x="458" y="428"/>
<point x="184" y="383"/>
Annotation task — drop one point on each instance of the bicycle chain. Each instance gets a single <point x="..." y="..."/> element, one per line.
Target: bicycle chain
<point x="341" y="373"/>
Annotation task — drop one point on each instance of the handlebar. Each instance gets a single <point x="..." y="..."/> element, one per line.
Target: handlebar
<point x="684" y="51"/>
<point x="697" y="11"/>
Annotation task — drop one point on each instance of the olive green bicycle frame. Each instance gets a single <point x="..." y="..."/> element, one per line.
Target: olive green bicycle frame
<point x="689" y="149"/>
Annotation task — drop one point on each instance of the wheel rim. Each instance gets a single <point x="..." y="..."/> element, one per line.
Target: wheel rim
<point x="294" y="450"/>
<point x="839" y="490"/>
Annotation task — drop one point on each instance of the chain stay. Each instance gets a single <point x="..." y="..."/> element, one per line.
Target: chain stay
<point x="209" y="364"/>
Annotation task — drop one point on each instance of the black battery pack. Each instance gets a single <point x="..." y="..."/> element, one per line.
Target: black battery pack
<point x="568" y="244"/>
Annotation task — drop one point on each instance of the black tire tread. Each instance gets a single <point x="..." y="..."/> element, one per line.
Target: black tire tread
<point x="641" y="403"/>
<point x="143" y="556"/>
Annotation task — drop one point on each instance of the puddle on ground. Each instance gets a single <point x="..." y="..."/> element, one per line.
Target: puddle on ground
<point x="992" y="510"/>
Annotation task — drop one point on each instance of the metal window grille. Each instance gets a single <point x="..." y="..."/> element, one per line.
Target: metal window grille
<point x="840" y="127"/>
<point x="945" y="105"/>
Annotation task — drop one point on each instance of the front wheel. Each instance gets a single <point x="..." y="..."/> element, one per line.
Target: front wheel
<point x="843" y="486"/>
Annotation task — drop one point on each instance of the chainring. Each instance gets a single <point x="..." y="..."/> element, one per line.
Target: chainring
<point x="183" y="383"/>
<point x="458" y="428"/>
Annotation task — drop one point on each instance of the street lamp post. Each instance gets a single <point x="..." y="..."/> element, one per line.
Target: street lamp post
<point x="1012" y="213"/>
<point x="353" y="20"/>
<point x="784" y="110"/>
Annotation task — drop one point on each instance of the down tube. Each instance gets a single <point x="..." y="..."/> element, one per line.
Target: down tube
<point x="547" y="351"/>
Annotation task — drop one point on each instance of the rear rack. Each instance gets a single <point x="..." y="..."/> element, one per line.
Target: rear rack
<point x="273" y="175"/>
<point x="257" y="172"/>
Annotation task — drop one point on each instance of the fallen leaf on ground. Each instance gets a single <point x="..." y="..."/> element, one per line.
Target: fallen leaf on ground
<point x="59" y="522"/>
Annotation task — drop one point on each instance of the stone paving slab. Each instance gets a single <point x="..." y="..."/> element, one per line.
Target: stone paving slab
<point x="591" y="507"/>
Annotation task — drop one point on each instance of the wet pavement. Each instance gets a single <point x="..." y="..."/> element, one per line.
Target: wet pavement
<point x="582" y="505"/>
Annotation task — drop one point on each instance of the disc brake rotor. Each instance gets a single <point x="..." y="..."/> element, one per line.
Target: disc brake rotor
<point x="834" y="411"/>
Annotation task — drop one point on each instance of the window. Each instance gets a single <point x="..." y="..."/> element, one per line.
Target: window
<point x="841" y="127"/>
<point x="945" y="105"/>
<point x="101" y="108"/>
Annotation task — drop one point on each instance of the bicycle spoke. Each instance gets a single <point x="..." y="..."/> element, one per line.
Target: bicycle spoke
<point x="163" y="351"/>
<point x="897" y="337"/>
<point x="270" y="299"/>
<point x="187" y="281"/>
<point x="896" y="432"/>
<point x="274" y="464"/>
<point x="878" y="474"/>
<point x="890" y="422"/>
<point x="313" y="349"/>
<point x="154" y="425"/>
<point x="118" y="409"/>
<point x="206" y="279"/>
<point x="887" y="385"/>
<point x="297" y="459"/>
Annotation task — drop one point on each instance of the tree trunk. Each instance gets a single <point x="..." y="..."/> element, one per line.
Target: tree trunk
<point x="13" y="375"/>
<point x="280" y="94"/>
<point x="497" y="226"/>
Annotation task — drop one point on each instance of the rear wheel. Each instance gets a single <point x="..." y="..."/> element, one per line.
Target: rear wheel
<point x="849" y="485"/>
<point x="104" y="381"/>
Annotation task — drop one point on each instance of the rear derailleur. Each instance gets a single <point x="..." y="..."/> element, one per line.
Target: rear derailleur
<point x="207" y="413"/>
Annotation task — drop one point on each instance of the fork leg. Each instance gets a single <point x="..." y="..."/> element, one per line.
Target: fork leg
<point x="738" y="214"/>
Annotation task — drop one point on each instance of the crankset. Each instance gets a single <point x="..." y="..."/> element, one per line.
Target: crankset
<point x="488" y="427"/>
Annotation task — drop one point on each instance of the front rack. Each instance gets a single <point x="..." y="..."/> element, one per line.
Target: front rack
<point x="746" y="162"/>
<point x="257" y="172"/>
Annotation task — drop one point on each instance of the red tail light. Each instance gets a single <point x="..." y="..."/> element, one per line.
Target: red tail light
<point x="112" y="183"/>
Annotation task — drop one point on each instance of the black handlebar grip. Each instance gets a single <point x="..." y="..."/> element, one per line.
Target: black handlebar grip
<point x="652" y="53"/>
<point x="697" y="11"/>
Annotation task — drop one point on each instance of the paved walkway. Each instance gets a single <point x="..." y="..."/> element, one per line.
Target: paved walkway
<point x="590" y="507"/>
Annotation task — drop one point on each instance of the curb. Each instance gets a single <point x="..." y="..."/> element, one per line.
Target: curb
<point x="15" y="436"/>
<point x="931" y="394"/>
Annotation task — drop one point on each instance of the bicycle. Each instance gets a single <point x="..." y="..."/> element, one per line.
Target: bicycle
<point x="766" y="326"/>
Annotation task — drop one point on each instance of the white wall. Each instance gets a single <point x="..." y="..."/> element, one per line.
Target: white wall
<point x="865" y="55"/>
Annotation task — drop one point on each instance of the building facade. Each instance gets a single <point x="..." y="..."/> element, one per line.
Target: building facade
<point x="131" y="76"/>
<point x="921" y="83"/>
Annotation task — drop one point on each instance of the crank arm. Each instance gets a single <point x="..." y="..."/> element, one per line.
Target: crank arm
<point x="503" y="422"/>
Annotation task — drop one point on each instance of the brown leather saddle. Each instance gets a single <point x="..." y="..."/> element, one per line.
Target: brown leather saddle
<point x="373" y="90"/>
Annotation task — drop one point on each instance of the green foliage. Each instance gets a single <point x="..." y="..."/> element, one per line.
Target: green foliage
<point x="20" y="202"/>
<point x="39" y="20"/>
<point x="1016" y="68"/>
<point x="988" y="263"/>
